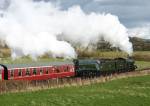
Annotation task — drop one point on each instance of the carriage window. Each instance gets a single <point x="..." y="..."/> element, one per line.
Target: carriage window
<point x="11" y="73"/>
<point x="57" y="70"/>
<point x="34" y="71"/>
<point x="27" y="72"/>
<point x="19" y="73"/>
<point x="67" y="68"/>
<point x="47" y="70"/>
<point x="41" y="71"/>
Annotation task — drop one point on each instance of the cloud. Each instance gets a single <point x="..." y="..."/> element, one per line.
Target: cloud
<point x="4" y="4"/>
<point x="131" y="13"/>
<point x="141" y="32"/>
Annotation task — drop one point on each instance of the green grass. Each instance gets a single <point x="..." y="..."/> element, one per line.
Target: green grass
<point x="137" y="55"/>
<point x="133" y="91"/>
<point x="102" y="54"/>
<point x="142" y="55"/>
<point x="142" y="64"/>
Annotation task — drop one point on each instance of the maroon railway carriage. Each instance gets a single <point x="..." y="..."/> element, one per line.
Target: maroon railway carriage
<point x="36" y="72"/>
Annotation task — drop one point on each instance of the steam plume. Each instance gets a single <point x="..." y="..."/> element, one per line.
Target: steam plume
<point x="34" y="28"/>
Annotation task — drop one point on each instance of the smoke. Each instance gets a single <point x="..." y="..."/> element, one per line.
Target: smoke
<point x="34" y="28"/>
<point x="140" y="32"/>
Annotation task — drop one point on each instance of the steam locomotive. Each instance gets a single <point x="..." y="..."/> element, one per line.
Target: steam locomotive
<point x="76" y="68"/>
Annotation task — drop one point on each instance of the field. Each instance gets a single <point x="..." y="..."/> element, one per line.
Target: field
<point x="137" y="55"/>
<point x="123" y="92"/>
<point x="142" y="64"/>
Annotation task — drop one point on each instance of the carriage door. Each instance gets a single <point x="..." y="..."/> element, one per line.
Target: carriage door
<point x="5" y="72"/>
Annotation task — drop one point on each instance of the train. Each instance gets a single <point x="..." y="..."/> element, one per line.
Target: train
<point x="77" y="68"/>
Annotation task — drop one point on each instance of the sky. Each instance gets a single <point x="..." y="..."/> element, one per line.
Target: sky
<point x="132" y="13"/>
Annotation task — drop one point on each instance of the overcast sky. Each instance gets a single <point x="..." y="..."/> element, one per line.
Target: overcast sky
<point x="132" y="13"/>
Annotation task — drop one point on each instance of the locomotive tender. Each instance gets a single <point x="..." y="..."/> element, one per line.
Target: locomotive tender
<point x="77" y="68"/>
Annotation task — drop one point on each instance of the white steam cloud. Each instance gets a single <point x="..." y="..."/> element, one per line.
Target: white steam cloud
<point x="34" y="28"/>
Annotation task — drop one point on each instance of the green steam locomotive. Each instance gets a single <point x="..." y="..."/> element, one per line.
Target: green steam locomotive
<point x="99" y="67"/>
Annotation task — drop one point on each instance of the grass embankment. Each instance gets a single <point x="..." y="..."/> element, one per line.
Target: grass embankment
<point x="137" y="55"/>
<point x="142" y="55"/>
<point x="142" y="65"/>
<point x="123" y="92"/>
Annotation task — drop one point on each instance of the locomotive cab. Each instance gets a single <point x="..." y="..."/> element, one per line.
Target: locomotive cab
<point x="131" y="64"/>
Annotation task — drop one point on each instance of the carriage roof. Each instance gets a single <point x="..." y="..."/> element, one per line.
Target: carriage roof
<point x="37" y="64"/>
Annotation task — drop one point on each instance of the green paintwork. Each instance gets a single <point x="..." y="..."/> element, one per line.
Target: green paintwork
<point x="108" y="65"/>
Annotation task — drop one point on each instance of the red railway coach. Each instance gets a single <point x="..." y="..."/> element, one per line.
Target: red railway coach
<point x="36" y="72"/>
